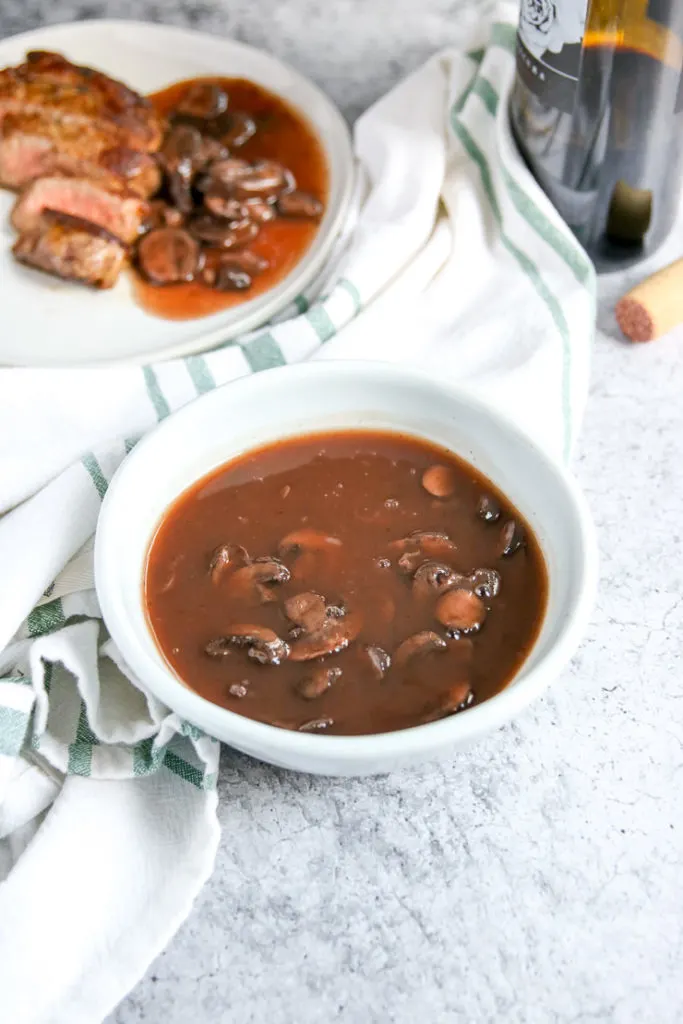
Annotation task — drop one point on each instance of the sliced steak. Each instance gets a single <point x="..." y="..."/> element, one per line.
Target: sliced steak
<point x="25" y="157"/>
<point x="34" y="145"/>
<point x="140" y="171"/>
<point x="120" y="213"/>
<point x="81" y="140"/>
<point x="73" y="253"/>
<point x="69" y="221"/>
<point x="55" y="67"/>
<point x="47" y="81"/>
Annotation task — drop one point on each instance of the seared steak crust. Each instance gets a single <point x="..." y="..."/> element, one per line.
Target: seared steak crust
<point x="49" y="82"/>
<point x="74" y="253"/>
<point x="118" y="210"/>
<point x="43" y="143"/>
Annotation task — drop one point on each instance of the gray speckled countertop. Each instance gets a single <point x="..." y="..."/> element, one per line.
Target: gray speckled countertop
<point x="536" y="879"/>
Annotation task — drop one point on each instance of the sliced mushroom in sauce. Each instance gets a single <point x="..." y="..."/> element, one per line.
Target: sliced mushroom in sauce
<point x="204" y="100"/>
<point x="439" y="481"/>
<point x="181" y="156"/>
<point x="241" y="129"/>
<point x="259" y="210"/>
<point x="226" y="558"/>
<point x="254" y="582"/>
<point x="457" y="697"/>
<point x="488" y="509"/>
<point x="261" y="644"/>
<point x="231" y="277"/>
<point x="180" y="148"/>
<point x="249" y="262"/>
<point x="424" y="642"/>
<point x="316" y="725"/>
<point x="434" y="578"/>
<point x="485" y="583"/>
<point x="238" y="261"/>
<point x="333" y="636"/>
<point x="265" y="179"/>
<point x="299" y="204"/>
<point x="379" y="660"/>
<point x="512" y="538"/>
<point x="318" y="682"/>
<point x="460" y="610"/>
<point x="223" y="175"/>
<point x="224" y="207"/>
<point x="307" y="610"/>
<point x="222" y="233"/>
<point x="168" y="256"/>
<point x="420" y="546"/>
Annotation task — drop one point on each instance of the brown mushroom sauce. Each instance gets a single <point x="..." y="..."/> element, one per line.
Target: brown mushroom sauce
<point x="244" y="188"/>
<point x="334" y="584"/>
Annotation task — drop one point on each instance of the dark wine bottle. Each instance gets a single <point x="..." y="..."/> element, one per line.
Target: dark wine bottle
<point x="597" y="111"/>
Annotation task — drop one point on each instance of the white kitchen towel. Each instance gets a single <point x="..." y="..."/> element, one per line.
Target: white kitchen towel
<point x="457" y="263"/>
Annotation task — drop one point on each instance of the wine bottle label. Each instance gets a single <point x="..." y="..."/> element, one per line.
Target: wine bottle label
<point x="549" y="48"/>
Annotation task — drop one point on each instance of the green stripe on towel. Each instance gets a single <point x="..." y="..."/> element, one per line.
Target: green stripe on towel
<point x="200" y="374"/>
<point x="486" y="93"/>
<point x="46" y="618"/>
<point x="47" y="675"/>
<point x="572" y="255"/>
<point x="80" y="760"/>
<point x="482" y="88"/>
<point x="96" y="475"/>
<point x="84" y="733"/>
<point x="155" y="394"/>
<point x="183" y="770"/>
<point x="80" y="751"/>
<point x="263" y="353"/>
<point x="146" y="759"/>
<point x="320" y="321"/>
<point x="504" y="36"/>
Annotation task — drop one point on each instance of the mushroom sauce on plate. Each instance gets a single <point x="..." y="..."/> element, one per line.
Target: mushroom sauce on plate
<point x="346" y="583"/>
<point x="243" y="190"/>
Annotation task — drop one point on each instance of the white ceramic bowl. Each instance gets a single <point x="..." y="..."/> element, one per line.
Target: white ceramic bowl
<point x="328" y="395"/>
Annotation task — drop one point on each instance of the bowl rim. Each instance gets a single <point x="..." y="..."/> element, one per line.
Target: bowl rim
<point x="160" y="680"/>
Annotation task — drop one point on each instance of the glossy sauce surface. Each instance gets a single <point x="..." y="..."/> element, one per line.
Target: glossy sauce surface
<point x="357" y="496"/>
<point x="282" y="135"/>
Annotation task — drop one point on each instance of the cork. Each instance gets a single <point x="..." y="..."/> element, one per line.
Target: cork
<point x="654" y="306"/>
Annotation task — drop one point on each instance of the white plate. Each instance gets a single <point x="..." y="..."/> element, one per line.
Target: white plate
<point x="46" y="322"/>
